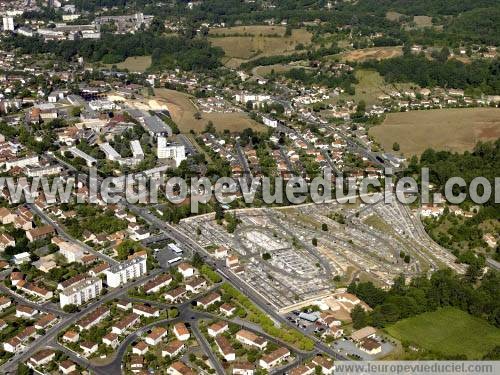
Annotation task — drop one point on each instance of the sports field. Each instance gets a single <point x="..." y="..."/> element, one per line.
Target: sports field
<point x="182" y="111"/>
<point x="449" y="331"/>
<point x="457" y="129"/>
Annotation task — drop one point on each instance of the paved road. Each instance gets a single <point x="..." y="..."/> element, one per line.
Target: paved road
<point x="44" y="307"/>
<point x="51" y="333"/>
<point x="206" y="348"/>
<point x="244" y="162"/>
<point x="67" y="237"/>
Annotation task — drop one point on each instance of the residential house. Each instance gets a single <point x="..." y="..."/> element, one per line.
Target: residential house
<point x="179" y="368"/>
<point x="124" y="324"/>
<point x="40" y="233"/>
<point x="243" y="368"/>
<point x="88" y="347"/>
<point x="227" y="309"/>
<point x="195" y="284"/>
<point x="218" y="328"/>
<point x="225" y="348"/>
<point x="251" y="339"/>
<point x="156" y="335"/>
<point x="181" y="332"/>
<point x="185" y="269"/>
<point x="111" y="339"/>
<point x="23" y="311"/>
<point x="71" y="336"/>
<point x="274" y="358"/>
<point x="140" y="348"/>
<point x="67" y="367"/>
<point x="41" y="358"/>
<point x="176" y="294"/>
<point x="146" y="311"/>
<point x="325" y="363"/>
<point x="157" y="283"/>
<point x="95" y="317"/>
<point x="173" y="349"/>
<point x="209" y="300"/>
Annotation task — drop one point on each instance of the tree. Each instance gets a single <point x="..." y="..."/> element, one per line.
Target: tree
<point x="395" y="146"/>
<point x="23" y="369"/>
<point x="359" y="317"/>
<point x="197" y="116"/>
<point x="70" y="308"/>
<point x="407" y="259"/>
<point x="314" y="241"/>
<point x="210" y="128"/>
<point x="324" y="227"/>
<point x="219" y="212"/>
<point x="126" y="248"/>
<point x="266" y="256"/>
<point x="197" y="260"/>
<point x="361" y="106"/>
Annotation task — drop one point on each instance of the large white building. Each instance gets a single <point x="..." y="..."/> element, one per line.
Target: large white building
<point x="110" y="152"/>
<point x="8" y="24"/>
<point x="81" y="292"/>
<point x="125" y="271"/>
<point x="22" y="162"/>
<point x="173" y="151"/>
<point x="137" y="151"/>
<point x="80" y="154"/>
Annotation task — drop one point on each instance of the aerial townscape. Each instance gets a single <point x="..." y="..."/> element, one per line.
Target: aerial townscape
<point x="248" y="91"/>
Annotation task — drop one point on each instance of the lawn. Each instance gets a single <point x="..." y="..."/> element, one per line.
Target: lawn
<point x="457" y="129"/>
<point x="449" y="331"/>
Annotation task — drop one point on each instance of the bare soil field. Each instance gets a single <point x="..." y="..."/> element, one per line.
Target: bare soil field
<point x="423" y="21"/>
<point x="182" y="110"/>
<point x="375" y="53"/>
<point x="444" y="129"/>
<point x="393" y="16"/>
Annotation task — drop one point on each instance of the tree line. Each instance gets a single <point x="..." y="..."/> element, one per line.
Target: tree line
<point x="479" y="74"/>
<point x="444" y="288"/>
<point x="166" y="51"/>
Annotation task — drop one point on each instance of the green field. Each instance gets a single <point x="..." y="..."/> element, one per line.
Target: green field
<point x="137" y="64"/>
<point x="370" y="86"/>
<point x="449" y="331"/>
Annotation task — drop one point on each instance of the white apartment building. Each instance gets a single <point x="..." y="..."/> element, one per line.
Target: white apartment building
<point x="125" y="271"/>
<point x="80" y="154"/>
<point x="22" y="162"/>
<point x="171" y="151"/>
<point x="81" y="292"/>
<point x="110" y="152"/>
<point x="137" y="151"/>
<point x="8" y="23"/>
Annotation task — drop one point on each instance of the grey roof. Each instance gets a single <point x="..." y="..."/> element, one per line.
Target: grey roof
<point x="155" y="125"/>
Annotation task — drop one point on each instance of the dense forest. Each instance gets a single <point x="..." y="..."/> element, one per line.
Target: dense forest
<point x="167" y="51"/>
<point x="444" y="288"/>
<point x="479" y="74"/>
